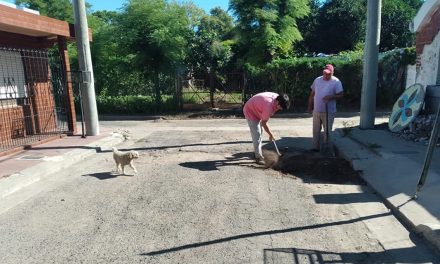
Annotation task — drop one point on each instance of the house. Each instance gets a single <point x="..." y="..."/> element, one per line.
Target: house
<point x="36" y="91"/>
<point x="426" y="26"/>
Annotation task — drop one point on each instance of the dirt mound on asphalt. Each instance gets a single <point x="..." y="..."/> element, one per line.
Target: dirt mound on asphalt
<point x="313" y="166"/>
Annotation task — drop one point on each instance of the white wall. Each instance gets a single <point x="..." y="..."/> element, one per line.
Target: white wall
<point x="411" y="75"/>
<point x="427" y="74"/>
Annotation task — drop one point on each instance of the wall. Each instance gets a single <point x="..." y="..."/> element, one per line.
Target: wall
<point x="429" y="61"/>
<point x="11" y="128"/>
<point x="411" y="75"/>
<point x="428" y="48"/>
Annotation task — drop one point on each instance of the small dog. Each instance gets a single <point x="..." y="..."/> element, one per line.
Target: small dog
<point x="124" y="158"/>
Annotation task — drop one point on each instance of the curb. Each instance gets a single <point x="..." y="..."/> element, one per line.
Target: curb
<point x="52" y="165"/>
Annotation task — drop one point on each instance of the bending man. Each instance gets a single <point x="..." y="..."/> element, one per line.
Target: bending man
<point x="257" y="112"/>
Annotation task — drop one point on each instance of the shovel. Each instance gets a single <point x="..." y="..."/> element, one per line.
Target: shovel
<point x="328" y="149"/>
<point x="276" y="148"/>
<point x="271" y="159"/>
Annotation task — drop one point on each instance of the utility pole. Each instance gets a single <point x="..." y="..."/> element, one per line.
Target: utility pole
<point x="371" y="58"/>
<point x="86" y="69"/>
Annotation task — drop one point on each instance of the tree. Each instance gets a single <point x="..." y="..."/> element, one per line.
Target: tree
<point x="59" y="9"/>
<point x="396" y="17"/>
<point x="211" y="48"/>
<point x="308" y="28"/>
<point x="111" y="77"/>
<point x="153" y="36"/>
<point x="268" y="28"/>
<point x="341" y="26"/>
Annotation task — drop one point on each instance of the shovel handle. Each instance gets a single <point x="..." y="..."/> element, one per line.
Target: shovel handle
<point x="276" y="148"/>
<point x="326" y="120"/>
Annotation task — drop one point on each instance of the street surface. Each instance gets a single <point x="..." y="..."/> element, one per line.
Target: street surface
<point x="199" y="198"/>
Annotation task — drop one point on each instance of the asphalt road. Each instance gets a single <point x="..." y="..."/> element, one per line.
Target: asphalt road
<point x="198" y="198"/>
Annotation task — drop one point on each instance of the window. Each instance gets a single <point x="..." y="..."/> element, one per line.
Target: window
<point x="12" y="79"/>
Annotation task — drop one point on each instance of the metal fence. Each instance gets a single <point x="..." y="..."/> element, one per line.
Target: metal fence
<point x="33" y="100"/>
<point x="224" y="91"/>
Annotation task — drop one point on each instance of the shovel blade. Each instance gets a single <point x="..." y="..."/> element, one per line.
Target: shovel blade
<point x="328" y="150"/>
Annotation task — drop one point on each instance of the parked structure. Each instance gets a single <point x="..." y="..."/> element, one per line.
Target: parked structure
<point x="36" y="93"/>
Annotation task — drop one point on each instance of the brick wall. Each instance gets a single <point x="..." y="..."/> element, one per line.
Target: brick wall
<point x="427" y="35"/>
<point x="11" y="123"/>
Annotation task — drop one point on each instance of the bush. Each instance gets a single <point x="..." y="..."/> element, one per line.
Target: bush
<point x="294" y="76"/>
<point x="130" y="104"/>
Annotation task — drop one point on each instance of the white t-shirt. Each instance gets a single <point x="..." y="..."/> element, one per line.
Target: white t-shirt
<point x="322" y="88"/>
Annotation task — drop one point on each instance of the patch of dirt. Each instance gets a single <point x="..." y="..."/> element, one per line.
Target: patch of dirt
<point x="313" y="166"/>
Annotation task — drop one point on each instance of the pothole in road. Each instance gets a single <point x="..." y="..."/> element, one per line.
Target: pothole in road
<point x="313" y="166"/>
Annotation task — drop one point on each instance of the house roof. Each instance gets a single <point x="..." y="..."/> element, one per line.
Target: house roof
<point x="423" y="16"/>
<point x="25" y="23"/>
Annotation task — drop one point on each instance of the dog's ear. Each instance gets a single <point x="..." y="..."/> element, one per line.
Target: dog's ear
<point x="131" y="154"/>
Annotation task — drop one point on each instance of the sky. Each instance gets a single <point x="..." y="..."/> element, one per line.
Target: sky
<point x="117" y="4"/>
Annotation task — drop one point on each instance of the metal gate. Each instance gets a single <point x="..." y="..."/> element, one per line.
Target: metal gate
<point x="223" y="91"/>
<point x="33" y="97"/>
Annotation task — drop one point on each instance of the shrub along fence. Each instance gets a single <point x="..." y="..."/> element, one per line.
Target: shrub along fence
<point x="291" y="76"/>
<point x="295" y="76"/>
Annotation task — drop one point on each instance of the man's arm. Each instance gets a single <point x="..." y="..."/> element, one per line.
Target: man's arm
<point x="333" y="97"/>
<point x="266" y="128"/>
<point x="310" y="104"/>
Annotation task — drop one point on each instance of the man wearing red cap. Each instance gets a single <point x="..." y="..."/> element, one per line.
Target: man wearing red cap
<point x="326" y="89"/>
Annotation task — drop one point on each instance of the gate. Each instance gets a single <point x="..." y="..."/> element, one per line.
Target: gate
<point x="33" y="97"/>
<point x="225" y="91"/>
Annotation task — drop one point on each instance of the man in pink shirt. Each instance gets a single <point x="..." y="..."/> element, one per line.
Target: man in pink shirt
<point x="326" y="89"/>
<point x="257" y="112"/>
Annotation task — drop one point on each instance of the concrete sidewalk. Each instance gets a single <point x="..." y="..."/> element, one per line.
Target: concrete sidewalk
<point x="392" y="167"/>
<point x="31" y="165"/>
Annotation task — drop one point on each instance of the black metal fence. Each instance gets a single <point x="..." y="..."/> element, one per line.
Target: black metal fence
<point x="33" y="98"/>
<point x="222" y="91"/>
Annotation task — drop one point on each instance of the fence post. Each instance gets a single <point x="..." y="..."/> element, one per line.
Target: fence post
<point x="211" y="89"/>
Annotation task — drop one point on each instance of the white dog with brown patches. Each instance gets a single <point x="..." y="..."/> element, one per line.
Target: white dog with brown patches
<point x="124" y="158"/>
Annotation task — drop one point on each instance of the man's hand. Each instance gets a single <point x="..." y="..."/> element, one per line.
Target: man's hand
<point x="328" y="98"/>
<point x="271" y="138"/>
<point x="310" y="109"/>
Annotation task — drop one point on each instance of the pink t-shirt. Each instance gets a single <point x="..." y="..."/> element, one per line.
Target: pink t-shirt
<point x="260" y="107"/>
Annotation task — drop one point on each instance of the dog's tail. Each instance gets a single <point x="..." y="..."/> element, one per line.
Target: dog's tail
<point x="114" y="149"/>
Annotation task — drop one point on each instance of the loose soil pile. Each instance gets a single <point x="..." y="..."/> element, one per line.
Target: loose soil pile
<point x="314" y="167"/>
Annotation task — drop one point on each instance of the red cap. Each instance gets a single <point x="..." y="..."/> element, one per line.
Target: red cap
<point x="329" y="69"/>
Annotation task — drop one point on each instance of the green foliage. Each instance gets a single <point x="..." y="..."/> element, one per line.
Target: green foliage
<point x="137" y="51"/>
<point x="59" y="9"/>
<point x="268" y="28"/>
<point x="152" y="38"/>
<point x="339" y="25"/>
<point x="211" y="48"/>
<point x="392" y="67"/>
<point x="294" y="76"/>
<point x="397" y="15"/>
<point x="134" y="105"/>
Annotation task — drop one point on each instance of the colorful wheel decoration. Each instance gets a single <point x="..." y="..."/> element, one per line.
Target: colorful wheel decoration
<point x="407" y="107"/>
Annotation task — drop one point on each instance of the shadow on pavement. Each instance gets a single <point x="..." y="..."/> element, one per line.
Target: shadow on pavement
<point x="238" y="159"/>
<point x="106" y="175"/>
<point x="298" y="255"/>
<point x="262" y="233"/>
<point x="344" y="198"/>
